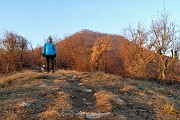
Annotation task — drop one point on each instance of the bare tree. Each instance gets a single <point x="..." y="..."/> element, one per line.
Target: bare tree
<point x="160" y="44"/>
<point x="166" y="37"/>
<point x="139" y="51"/>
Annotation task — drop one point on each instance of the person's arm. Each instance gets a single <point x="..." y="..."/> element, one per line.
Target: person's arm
<point x="43" y="50"/>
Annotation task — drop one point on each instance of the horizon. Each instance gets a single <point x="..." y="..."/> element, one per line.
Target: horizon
<point x="36" y="20"/>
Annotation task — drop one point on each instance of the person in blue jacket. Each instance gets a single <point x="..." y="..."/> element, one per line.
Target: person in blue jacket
<point x="49" y="52"/>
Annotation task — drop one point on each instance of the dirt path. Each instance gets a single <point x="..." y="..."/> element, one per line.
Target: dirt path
<point x="73" y="95"/>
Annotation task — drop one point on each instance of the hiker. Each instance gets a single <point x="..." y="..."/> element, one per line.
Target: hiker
<point x="49" y="52"/>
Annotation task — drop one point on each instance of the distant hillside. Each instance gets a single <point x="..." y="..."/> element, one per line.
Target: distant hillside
<point x="75" y="52"/>
<point x="94" y="51"/>
<point x="71" y="95"/>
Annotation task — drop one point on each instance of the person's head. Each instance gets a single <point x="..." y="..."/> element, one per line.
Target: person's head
<point x="49" y="39"/>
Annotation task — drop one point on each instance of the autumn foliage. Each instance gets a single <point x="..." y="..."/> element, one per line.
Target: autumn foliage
<point x="86" y="51"/>
<point x="13" y="53"/>
<point x="91" y="51"/>
<point x="140" y="52"/>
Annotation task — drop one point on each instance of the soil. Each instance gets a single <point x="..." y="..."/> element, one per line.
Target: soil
<point x="71" y="95"/>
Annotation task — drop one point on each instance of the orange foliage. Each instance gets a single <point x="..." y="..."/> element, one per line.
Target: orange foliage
<point x="86" y="51"/>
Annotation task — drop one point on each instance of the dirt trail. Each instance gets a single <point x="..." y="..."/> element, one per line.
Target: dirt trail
<point x="73" y="95"/>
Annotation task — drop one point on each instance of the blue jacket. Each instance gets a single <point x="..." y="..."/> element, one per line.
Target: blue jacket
<point x="49" y="49"/>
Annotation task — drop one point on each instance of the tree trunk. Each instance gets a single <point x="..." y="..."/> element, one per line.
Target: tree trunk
<point x="163" y="74"/>
<point x="162" y="68"/>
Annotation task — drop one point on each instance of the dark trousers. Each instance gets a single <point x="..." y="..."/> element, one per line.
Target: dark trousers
<point x="50" y="62"/>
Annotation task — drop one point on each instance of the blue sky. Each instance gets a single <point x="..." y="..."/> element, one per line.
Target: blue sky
<point x="37" y="19"/>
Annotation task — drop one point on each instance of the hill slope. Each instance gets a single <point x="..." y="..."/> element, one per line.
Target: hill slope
<point x="76" y="52"/>
<point x="75" y="95"/>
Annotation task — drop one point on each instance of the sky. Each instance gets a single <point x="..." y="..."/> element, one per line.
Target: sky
<point x="35" y="20"/>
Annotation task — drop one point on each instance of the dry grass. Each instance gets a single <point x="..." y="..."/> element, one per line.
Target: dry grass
<point x="19" y="80"/>
<point x="60" y="96"/>
<point x="103" y="101"/>
<point x="59" y="104"/>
